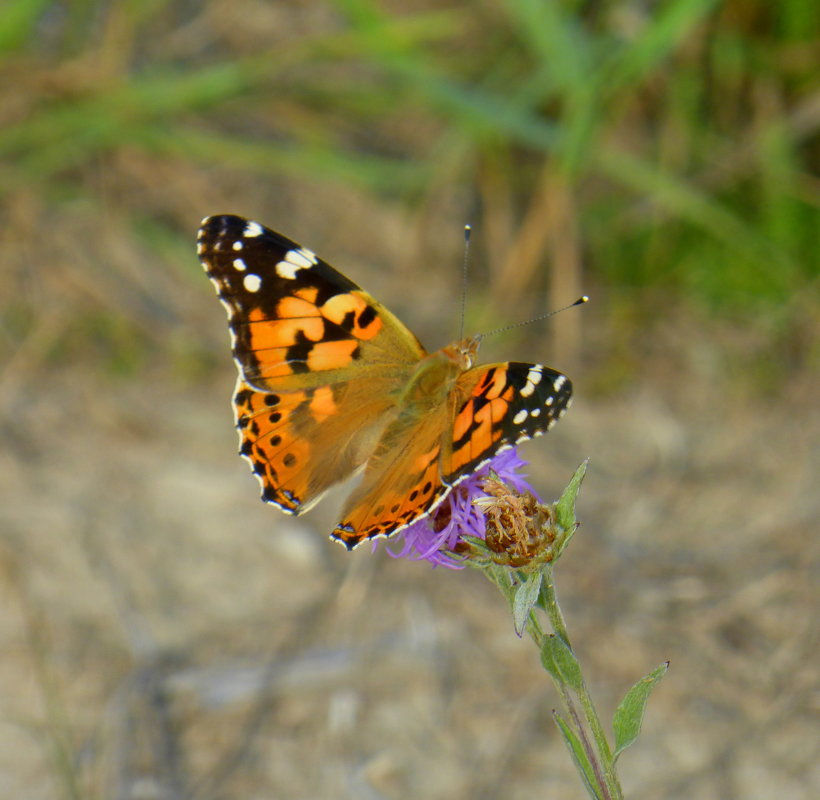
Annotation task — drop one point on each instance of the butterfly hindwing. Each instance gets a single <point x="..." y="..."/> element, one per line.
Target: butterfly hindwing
<point x="401" y="483"/>
<point x="299" y="443"/>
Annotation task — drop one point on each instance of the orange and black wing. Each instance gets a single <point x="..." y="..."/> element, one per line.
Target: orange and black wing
<point x="500" y="405"/>
<point x="319" y="359"/>
<point x="416" y="464"/>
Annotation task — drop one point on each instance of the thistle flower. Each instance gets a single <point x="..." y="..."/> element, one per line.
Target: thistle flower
<point x="520" y="530"/>
<point x="466" y="512"/>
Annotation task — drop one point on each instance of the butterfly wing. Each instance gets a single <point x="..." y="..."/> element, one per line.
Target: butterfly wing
<point x="401" y="483"/>
<point x="319" y="359"/>
<point x="415" y="466"/>
<point x="503" y="404"/>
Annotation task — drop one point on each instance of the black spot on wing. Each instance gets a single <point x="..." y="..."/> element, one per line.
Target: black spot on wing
<point x="366" y="317"/>
<point x="297" y="354"/>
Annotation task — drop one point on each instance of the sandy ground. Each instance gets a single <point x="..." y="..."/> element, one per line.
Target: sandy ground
<point x="166" y="635"/>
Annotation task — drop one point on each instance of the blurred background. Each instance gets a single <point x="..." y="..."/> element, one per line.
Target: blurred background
<point x="166" y="635"/>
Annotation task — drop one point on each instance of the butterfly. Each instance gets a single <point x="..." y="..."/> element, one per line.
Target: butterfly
<point x="331" y="383"/>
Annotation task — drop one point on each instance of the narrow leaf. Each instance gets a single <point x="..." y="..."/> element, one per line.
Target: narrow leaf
<point x="628" y="717"/>
<point x="526" y="596"/>
<point x="579" y="756"/>
<point x="565" y="507"/>
<point x="672" y="22"/>
<point x="561" y="663"/>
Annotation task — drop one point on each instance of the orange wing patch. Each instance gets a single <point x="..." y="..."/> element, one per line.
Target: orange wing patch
<point x="322" y="404"/>
<point x="277" y="457"/>
<point x="331" y="355"/>
<point x="301" y="306"/>
<point x="354" y="313"/>
<point x="273" y="334"/>
<point x="477" y="426"/>
<point x="394" y="502"/>
<point x="292" y="344"/>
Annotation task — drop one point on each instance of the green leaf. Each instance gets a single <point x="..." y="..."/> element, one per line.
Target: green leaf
<point x="665" y="29"/>
<point x="18" y="20"/>
<point x="556" y="37"/>
<point x="559" y="660"/>
<point x="685" y="200"/>
<point x="628" y="717"/>
<point x="565" y="507"/>
<point x="502" y="578"/>
<point x="579" y="756"/>
<point x="526" y="596"/>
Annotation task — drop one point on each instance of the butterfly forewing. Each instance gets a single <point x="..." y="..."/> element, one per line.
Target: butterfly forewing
<point x="294" y="320"/>
<point x="505" y="404"/>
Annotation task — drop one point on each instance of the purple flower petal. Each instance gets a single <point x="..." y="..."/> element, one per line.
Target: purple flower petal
<point x="420" y="541"/>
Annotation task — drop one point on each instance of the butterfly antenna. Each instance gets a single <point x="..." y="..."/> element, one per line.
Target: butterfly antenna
<point x="580" y="301"/>
<point x="467" y="231"/>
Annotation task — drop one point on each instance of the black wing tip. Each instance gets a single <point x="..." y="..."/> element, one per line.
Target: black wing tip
<point x="219" y="224"/>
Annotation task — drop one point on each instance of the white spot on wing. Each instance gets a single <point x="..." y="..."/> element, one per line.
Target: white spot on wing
<point x="252" y="282"/>
<point x="309" y="255"/>
<point x="287" y="269"/>
<point x="253" y="229"/>
<point x="536" y="412"/>
<point x="534" y="375"/>
<point x="237" y="245"/>
<point x="559" y="382"/>
<point x="239" y="264"/>
<point x="533" y="379"/>
<point x="520" y="416"/>
<point x="294" y="261"/>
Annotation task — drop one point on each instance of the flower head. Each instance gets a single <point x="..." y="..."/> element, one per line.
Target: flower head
<point x="439" y="538"/>
<point x="521" y="532"/>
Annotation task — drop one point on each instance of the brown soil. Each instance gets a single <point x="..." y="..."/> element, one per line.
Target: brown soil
<point x="166" y="635"/>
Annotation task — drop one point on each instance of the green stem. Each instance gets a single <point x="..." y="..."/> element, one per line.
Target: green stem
<point x="599" y="754"/>
<point x="594" y="758"/>
<point x="551" y="605"/>
<point x="537" y="634"/>
<point x="610" y="784"/>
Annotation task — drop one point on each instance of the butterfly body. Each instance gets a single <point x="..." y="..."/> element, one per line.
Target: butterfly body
<point x="331" y="382"/>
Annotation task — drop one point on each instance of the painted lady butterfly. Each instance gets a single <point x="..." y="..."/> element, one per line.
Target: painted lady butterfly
<point x="330" y="382"/>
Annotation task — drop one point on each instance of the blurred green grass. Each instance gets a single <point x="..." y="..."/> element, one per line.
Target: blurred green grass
<point x="657" y="154"/>
<point x="661" y="156"/>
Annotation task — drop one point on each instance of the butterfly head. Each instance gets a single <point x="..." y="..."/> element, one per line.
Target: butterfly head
<point x="463" y="352"/>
